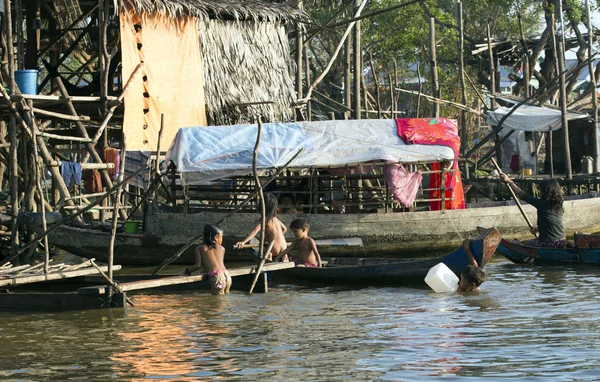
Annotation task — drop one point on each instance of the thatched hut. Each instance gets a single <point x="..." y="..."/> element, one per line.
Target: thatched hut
<point x="244" y="54"/>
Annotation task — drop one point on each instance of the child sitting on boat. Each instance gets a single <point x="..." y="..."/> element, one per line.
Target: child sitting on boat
<point x="210" y="256"/>
<point x="308" y="255"/>
<point x="549" y="213"/>
<point x="470" y="279"/>
<point x="274" y="229"/>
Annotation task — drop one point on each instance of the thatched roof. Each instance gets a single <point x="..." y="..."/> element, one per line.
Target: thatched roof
<point x="246" y="62"/>
<point x="266" y="10"/>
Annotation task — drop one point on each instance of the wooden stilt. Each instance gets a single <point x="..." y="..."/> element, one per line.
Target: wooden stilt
<point x="115" y="215"/>
<point x="38" y="182"/>
<point x="435" y="86"/>
<point x="262" y="263"/>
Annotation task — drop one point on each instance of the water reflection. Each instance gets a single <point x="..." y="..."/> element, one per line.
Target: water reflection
<point x="527" y="322"/>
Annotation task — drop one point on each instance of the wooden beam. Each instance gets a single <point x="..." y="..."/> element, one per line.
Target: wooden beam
<point x="176" y="280"/>
<point x="51" y="276"/>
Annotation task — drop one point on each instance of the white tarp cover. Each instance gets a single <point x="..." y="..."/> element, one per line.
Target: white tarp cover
<point x="207" y="153"/>
<point x="530" y="118"/>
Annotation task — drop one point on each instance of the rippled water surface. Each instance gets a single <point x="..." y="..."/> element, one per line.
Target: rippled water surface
<point x="526" y="323"/>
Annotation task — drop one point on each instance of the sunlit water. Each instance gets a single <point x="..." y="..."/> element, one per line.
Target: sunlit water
<point x="526" y="323"/>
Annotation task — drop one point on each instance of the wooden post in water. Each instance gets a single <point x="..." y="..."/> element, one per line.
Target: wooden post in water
<point x="563" y="110"/>
<point x="435" y="86"/>
<point x="38" y="184"/>
<point x="593" y="83"/>
<point x="358" y="71"/>
<point x="261" y="196"/>
<point x="115" y="215"/>
<point x="461" y="73"/>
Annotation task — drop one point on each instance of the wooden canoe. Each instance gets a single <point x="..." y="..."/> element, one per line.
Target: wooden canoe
<point x="586" y="251"/>
<point x="398" y="272"/>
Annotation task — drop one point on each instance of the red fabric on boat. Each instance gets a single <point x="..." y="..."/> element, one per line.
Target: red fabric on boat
<point x="429" y="131"/>
<point x="436" y="131"/>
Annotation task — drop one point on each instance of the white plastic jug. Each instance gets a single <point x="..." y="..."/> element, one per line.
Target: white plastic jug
<point x="441" y="279"/>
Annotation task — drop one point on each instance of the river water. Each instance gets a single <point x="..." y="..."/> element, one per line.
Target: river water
<point x="526" y="323"/>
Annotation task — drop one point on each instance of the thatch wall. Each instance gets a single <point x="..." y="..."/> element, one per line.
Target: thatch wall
<point x="246" y="62"/>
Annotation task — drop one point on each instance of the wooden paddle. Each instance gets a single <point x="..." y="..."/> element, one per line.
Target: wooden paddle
<point x="515" y="198"/>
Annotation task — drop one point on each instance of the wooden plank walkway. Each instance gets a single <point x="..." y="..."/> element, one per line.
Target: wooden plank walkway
<point x="20" y="280"/>
<point x="175" y="280"/>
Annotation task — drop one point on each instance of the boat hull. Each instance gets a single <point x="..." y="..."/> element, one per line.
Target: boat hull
<point x="406" y="234"/>
<point x="524" y="254"/>
<point x="408" y="272"/>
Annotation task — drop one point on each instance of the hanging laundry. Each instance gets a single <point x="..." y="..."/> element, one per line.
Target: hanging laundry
<point x="92" y="181"/>
<point x="112" y="155"/>
<point x="404" y="185"/>
<point x="71" y="173"/>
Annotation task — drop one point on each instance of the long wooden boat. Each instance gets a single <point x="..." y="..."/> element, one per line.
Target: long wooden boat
<point x="586" y="251"/>
<point x="397" y="234"/>
<point x="407" y="272"/>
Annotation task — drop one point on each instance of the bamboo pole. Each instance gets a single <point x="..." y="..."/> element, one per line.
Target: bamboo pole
<point x="115" y="215"/>
<point x="492" y="69"/>
<point x="299" y="61"/>
<point x="435" y="85"/>
<point x="307" y="74"/>
<point x="461" y="73"/>
<point x="593" y="85"/>
<point x="376" y="82"/>
<point x="262" y="263"/>
<point x="438" y="100"/>
<point x="563" y="111"/>
<point x="11" y="53"/>
<point x="514" y="196"/>
<point x="358" y="68"/>
<point x="420" y="89"/>
<point x="14" y="182"/>
<point x="348" y="74"/>
<point x="111" y="282"/>
<point x="239" y="207"/>
<point x="549" y="151"/>
<point x="259" y="188"/>
<point x="38" y="182"/>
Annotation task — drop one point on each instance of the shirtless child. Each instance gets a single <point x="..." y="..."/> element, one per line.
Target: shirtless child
<point x="210" y="256"/>
<point x="308" y="255"/>
<point x="274" y="229"/>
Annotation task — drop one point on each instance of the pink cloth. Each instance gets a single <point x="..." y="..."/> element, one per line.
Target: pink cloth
<point x="403" y="184"/>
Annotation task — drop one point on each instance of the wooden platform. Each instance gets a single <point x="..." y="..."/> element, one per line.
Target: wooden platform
<point x="8" y="281"/>
<point x="177" y="280"/>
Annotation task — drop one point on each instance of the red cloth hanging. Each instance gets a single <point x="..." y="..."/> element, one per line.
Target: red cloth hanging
<point x="437" y="131"/>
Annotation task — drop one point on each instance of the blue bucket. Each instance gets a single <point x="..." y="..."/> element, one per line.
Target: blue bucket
<point x="27" y="80"/>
